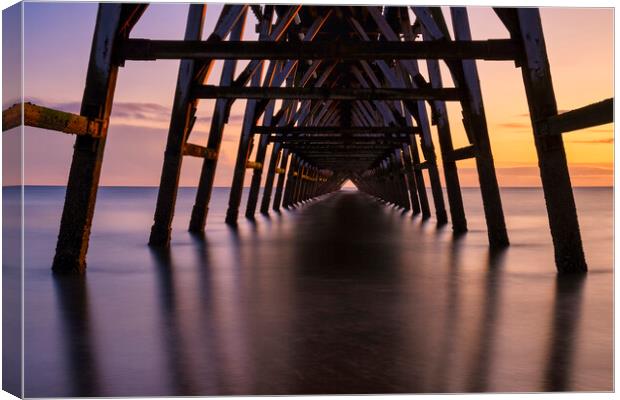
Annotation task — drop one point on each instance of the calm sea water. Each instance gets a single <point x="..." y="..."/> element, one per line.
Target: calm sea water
<point x="343" y="295"/>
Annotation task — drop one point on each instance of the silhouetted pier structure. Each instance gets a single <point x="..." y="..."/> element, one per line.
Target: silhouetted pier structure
<point x="353" y="107"/>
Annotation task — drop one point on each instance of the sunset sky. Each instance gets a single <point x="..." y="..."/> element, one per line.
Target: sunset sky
<point x="57" y="41"/>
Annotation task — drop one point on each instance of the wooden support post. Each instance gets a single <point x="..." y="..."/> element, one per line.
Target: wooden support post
<point x="290" y="178"/>
<point x="402" y="179"/>
<point x="250" y="209"/>
<point x="395" y="181"/>
<point x="219" y="118"/>
<point x="276" y="153"/>
<point x="299" y="182"/>
<point x="415" y="203"/>
<point x="245" y="141"/>
<point x="114" y="21"/>
<point x="303" y="182"/>
<point x="394" y="193"/>
<point x="417" y="109"/>
<point x="419" y="179"/>
<point x="261" y="150"/>
<point x="315" y="184"/>
<point x="183" y="109"/>
<point x="569" y="256"/>
<point x="177" y="134"/>
<point x="277" y="199"/>
<point x="306" y="185"/>
<point x="426" y="140"/>
<point x="476" y="120"/>
<point x="451" y="176"/>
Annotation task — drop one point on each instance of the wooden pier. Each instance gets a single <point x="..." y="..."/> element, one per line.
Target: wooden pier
<point x="353" y="107"/>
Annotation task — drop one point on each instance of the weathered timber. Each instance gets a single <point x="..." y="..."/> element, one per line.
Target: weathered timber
<point x="475" y="118"/>
<point x="183" y="109"/>
<point x="245" y="141"/>
<point x="367" y="140"/>
<point x="219" y="118"/>
<point x="419" y="180"/>
<point x="272" y="170"/>
<point x="428" y="150"/>
<point x="255" y="165"/>
<point x="195" y="150"/>
<point x="451" y="176"/>
<point x="314" y="93"/>
<point x="585" y="117"/>
<point x="12" y="117"/>
<point x="462" y="153"/>
<point x="277" y="199"/>
<point x="343" y="130"/>
<point x="146" y="49"/>
<point x="396" y="77"/>
<point x="290" y="182"/>
<point x="401" y="180"/>
<point x="114" y="21"/>
<point x="569" y="256"/>
<point x="250" y="208"/>
<point x="353" y="95"/>
<point x="55" y="120"/>
<point x="413" y="195"/>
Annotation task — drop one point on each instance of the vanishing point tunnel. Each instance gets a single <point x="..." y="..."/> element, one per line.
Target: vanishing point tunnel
<point x="353" y="105"/>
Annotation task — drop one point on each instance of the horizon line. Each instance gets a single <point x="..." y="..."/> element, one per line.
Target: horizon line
<point x="262" y="187"/>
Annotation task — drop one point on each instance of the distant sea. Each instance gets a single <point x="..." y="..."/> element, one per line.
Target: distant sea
<point x="342" y="295"/>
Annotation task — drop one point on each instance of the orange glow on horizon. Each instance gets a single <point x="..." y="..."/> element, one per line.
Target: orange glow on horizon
<point x="582" y="67"/>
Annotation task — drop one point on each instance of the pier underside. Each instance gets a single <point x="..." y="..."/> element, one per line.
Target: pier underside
<point x="293" y="281"/>
<point x="335" y="93"/>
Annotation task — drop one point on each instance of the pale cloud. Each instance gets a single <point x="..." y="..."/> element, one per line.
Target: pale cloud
<point x="527" y="115"/>
<point x="529" y="175"/>
<point x="515" y="125"/>
<point x="595" y="141"/>
<point x="137" y="114"/>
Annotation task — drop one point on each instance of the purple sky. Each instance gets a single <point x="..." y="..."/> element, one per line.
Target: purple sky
<point x="57" y="43"/>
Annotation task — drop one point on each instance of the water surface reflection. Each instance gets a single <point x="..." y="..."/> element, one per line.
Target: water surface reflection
<point x="344" y="295"/>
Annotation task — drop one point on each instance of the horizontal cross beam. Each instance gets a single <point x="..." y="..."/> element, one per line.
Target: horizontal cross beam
<point x="340" y="152"/>
<point x="146" y="49"/>
<point x="48" y="118"/>
<point x="253" y="165"/>
<point x="343" y="152"/>
<point x="195" y="150"/>
<point x="350" y="157"/>
<point x="462" y="153"/>
<point x="349" y="130"/>
<point x="314" y="93"/>
<point x="585" y="117"/>
<point x="309" y="140"/>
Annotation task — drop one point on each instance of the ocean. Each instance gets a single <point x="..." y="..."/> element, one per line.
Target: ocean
<point x="341" y="295"/>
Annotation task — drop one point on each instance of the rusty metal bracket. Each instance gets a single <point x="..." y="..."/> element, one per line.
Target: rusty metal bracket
<point x="51" y="119"/>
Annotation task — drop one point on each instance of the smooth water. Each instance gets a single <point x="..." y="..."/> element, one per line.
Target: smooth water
<point x="342" y="295"/>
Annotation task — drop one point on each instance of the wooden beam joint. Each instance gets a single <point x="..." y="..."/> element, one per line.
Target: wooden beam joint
<point x="585" y="117"/>
<point x="195" y="150"/>
<point x="253" y="165"/>
<point x="48" y="118"/>
<point x="462" y="154"/>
